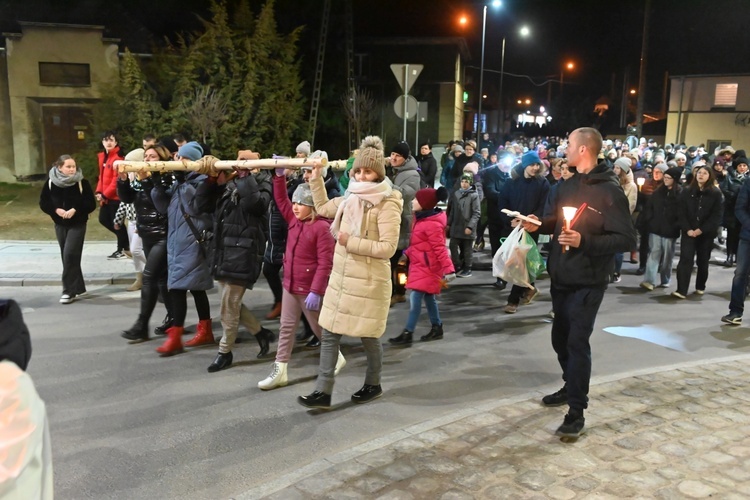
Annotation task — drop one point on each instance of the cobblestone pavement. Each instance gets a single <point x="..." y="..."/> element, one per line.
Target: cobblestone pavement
<point x="679" y="433"/>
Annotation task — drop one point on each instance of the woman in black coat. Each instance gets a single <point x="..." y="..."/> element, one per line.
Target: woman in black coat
<point x="700" y="216"/>
<point x="68" y="199"/>
<point x="427" y="165"/>
<point x="152" y="228"/>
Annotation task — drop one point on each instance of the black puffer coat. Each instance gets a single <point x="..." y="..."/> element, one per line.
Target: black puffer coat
<point x="150" y="222"/>
<point x="240" y="222"/>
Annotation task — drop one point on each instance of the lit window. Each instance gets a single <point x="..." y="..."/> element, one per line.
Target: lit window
<point x="726" y="94"/>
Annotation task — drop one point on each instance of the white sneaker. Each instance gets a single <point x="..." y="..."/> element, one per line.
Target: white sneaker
<point x="340" y="363"/>
<point x="66" y="299"/>
<point x="277" y="378"/>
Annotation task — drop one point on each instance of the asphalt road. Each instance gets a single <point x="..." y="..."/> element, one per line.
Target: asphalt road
<point x="128" y="424"/>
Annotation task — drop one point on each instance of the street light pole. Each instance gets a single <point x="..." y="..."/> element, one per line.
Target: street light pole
<point x="500" y="96"/>
<point x="481" y="79"/>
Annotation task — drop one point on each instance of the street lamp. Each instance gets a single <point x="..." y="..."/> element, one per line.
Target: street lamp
<point x="568" y="66"/>
<point x="495" y="3"/>
<point x="524" y="31"/>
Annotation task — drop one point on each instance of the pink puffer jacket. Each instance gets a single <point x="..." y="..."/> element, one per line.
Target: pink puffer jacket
<point x="429" y="259"/>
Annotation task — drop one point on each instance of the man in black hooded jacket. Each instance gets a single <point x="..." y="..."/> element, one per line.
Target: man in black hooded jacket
<point x="580" y="264"/>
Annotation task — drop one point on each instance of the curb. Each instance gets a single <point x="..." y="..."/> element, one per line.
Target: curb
<point x="50" y="280"/>
<point x="318" y="466"/>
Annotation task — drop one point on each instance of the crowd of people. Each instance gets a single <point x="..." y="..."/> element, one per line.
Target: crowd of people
<point x="339" y="251"/>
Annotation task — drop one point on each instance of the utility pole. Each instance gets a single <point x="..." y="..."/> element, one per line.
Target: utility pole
<point x="642" y="76"/>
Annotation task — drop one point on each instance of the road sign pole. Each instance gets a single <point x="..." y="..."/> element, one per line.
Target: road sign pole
<point x="406" y="94"/>
<point x="416" y="132"/>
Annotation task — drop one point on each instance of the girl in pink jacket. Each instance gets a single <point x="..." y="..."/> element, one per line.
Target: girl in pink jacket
<point x="308" y="260"/>
<point x="430" y="264"/>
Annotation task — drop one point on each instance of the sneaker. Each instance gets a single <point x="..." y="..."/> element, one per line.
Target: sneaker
<point x="616" y="278"/>
<point x="648" y="286"/>
<point x="552" y="313"/>
<point x="511" y="308"/>
<point x="464" y="274"/>
<point x="367" y="393"/>
<point x="700" y="292"/>
<point x="529" y="295"/>
<point x="558" y="398"/>
<point x="664" y="285"/>
<point x="732" y="318"/>
<point x="340" y="363"/>
<point x="500" y="284"/>
<point x="66" y="298"/>
<point x="678" y="295"/>
<point x="572" y="426"/>
<point x="117" y="256"/>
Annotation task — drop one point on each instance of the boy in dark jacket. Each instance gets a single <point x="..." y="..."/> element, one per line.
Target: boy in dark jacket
<point x="463" y="217"/>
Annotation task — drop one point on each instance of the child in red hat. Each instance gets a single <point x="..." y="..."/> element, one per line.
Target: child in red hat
<point x="430" y="264"/>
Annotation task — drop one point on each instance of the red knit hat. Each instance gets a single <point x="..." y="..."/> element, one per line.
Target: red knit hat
<point x="428" y="198"/>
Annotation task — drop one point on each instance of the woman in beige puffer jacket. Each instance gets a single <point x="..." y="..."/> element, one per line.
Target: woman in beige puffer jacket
<point x="366" y="224"/>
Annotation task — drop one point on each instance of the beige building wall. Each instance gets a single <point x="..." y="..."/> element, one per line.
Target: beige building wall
<point x="691" y="105"/>
<point x="6" y="128"/>
<point x="26" y="95"/>
<point x="451" y="114"/>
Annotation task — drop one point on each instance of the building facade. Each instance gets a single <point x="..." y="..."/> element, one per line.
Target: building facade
<point x="713" y="110"/>
<point x="50" y="75"/>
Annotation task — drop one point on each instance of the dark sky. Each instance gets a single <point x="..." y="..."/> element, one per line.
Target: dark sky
<point x="602" y="37"/>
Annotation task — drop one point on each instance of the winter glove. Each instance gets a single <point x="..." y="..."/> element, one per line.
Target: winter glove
<point x="312" y="302"/>
<point x="450" y="277"/>
<point x="279" y="172"/>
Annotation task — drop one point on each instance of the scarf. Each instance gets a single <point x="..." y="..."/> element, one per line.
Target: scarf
<point x="63" y="181"/>
<point x="358" y="197"/>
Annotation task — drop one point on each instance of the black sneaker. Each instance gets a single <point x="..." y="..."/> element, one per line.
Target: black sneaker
<point x="367" y="393"/>
<point x="572" y="426"/>
<point x="732" y="319"/>
<point x="557" y="399"/>
<point x="117" y="255"/>
<point x="317" y="399"/>
<point x="314" y="343"/>
<point x="616" y="278"/>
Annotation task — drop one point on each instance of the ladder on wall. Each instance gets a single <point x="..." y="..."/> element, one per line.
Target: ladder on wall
<point x="319" y="71"/>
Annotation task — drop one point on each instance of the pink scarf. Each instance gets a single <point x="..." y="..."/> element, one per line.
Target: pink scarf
<point x="358" y="196"/>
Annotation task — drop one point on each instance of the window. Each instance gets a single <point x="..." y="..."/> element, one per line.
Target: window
<point x="64" y="74"/>
<point x="726" y="95"/>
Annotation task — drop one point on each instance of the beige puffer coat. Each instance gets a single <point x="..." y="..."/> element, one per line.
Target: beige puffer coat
<point x="358" y="296"/>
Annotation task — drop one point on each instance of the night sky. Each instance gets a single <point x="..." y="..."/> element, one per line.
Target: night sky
<point x="601" y="37"/>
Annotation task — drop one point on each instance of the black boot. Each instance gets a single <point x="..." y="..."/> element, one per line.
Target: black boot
<point x="435" y="333"/>
<point x="222" y="362"/>
<point x="264" y="338"/>
<point x="162" y="329"/>
<point x="730" y="260"/>
<point x="403" y="339"/>
<point x="137" y="333"/>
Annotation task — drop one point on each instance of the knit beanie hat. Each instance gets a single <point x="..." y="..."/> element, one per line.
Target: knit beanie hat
<point x="680" y="156"/>
<point x="428" y="198"/>
<point x="624" y="164"/>
<point x="661" y="166"/>
<point x="303" y="147"/>
<point x="674" y="172"/>
<point x="468" y="177"/>
<point x="303" y="196"/>
<point x="741" y="160"/>
<point x="458" y="148"/>
<point x="472" y="167"/>
<point x="135" y="155"/>
<point x="370" y="156"/>
<point x="530" y="158"/>
<point x="191" y="151"/>
<point x="402" y="148"/>
<point x="317" y="155"/>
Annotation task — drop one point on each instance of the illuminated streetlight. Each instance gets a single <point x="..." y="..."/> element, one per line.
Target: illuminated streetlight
<point x="519" y="101"/>
<point x="569" y="66"/>
<point x="528" y="101"/>
<point x="632" y="91"/>
<point x="496" y="4"/>
<point x="484" y="96"/>
<point x="463" y="20"/>
<point x="524" y="31"/>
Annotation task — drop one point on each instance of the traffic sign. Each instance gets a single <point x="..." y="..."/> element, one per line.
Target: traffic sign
<point x="406" y="75"/>
<point x="411" y="107"/>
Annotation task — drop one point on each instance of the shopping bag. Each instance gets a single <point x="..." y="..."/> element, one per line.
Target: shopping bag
<point x="534" y="260"/>
<point x="509" y="263"/>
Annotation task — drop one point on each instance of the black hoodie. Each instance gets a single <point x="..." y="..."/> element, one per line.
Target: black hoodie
<point x="605" y="225"/>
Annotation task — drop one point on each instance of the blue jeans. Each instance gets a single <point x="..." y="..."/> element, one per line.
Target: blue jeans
<point x="618" y="263"/>
<point x="415" y="303"/>
<point x="575" y="314"/>
<point x="739" y="282"/>
<point x="660" y="259"/>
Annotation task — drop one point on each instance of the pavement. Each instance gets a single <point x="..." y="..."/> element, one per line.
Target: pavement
<point x="677" y="431"/>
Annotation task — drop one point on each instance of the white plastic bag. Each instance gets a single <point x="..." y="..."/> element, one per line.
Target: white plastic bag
<point x="509" y="263"/>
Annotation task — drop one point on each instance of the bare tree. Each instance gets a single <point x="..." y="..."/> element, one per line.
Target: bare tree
<point x="360" y="111"/>
<point x="207" y="110"/>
